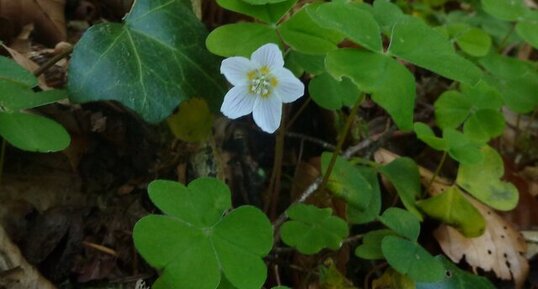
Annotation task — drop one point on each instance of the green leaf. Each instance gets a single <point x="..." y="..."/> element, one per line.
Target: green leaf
<point x="14" y="97"/>
<point x="482" y="180"/>
<point x="484" y="125"/>
<point x="392" y="86"/>
<point x="281" y="287"/>
<point x="416" y="42"/>
<point x="473" y="41"/>
<point x="347" y="182"/>
<point x="510" y="10"/>
<point x="387" y="14"/>
<point x="32" y="132"/>
<point x="150" y="64"/>
<point x="425" y="134"/>
<point x="313" y="64"/>
<point x="196" y="245"/>
<point x="312" y="229"/>
<point x="370" y="249"/>
<point x="262" y="2"/>
<point x="223" y="40"/>
<point x="462" y="148"/>
<point x="269" y="13"/>
<point x="516" y="80"/>
<point x="452" y="208"/>
<point x="451" y="109"/>
<point x="350" y="20"/>
<point x="332" y="94"/>
<point x="302" y="34"/>
<point x="528" y="30"/>
<point x="10" y="71"/>
<point x="411" y="259"/>
<point x="404" y="175"/>
<point x="455" y="278"/>
<point x="483" y="96"/>
<point x="373" y="208"/>
<point x="402" y="222"/>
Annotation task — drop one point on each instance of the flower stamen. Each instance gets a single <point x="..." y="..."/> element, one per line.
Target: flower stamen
<point x="261" y="81"/>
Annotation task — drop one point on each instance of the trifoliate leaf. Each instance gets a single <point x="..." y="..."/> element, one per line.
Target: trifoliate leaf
<point x="473" y="41"/>
<point x="12" y="72"/>
<point x="151" y="63"/>
<point x="196" y="242"/>
<point x="461" y="147"/>
<point x="262" y="2"/>
<point x="528" y="29"/>
<point x="350" y="20"/>
<point x="482" y="180"/>
<point x="402" y="222"/>
<point x="311" y="229"/>
<point x="223" y="40"/>
<point x="425" y="134"/>
<point x="509" y="10"/>
<point x="404" y="175"/>
<point x="370" y="248"/>
<point x="451" y="109"/>
<point x="313" y="64"/>
<point x="484" y="125"/>
<point x="411" y="259"/>
<point x="269" y="13"/>
<point x="455" y="278"/>
<point x="356" y="215"/>
<point x="452" y="208"/>
<point x="32" y="132"/>
<point x="416" y="42"/>
<point x="332" y="94"/>
<point x="306" y="36"/>
<point x="347" y="182"/>
<point x="392" y="86"/>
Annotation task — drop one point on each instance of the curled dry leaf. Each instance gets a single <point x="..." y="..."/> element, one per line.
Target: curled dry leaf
<point x="47" y="16"/>
<point x="15" y="272"/>
<point x="500" y="249"/>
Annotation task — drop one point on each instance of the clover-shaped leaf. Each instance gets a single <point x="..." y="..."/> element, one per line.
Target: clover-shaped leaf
<point x="402" y="222"/>
<point x="456" y="278"/>
<point x="370" y="248"/>
<point x="312" y="229"/>
<point x="482" y="180"/>
<point x="196" y="243"/>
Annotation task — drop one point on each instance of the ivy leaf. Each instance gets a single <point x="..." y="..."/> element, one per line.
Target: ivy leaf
<point x="223" y="40"/>
<point x="32" y="132"/>
<point x="392" y="86"/>
<point x="404" y="175"/>
<point x="357" y="215"/>
<point x="411" y="259"/>
<point x="416" y="42"/>
<point x="482" y="180"/>
<point x="455" y="278"/>
<point x="304" y="35"/>
<point x="347" y="182"/>
<point x="311" y="229"/>
<point x="516" y="80"/>
<point x="269" y="13"/>
<point x="150" y="64"/>
<point x="509" y="10"/>
<point x="452" y="208"/>
<point x="195" y="244"/>
<point x="370" y="249"/>
<point x="402" y="222"/>
<point x="350" y="20"/>
<point x="332" y="94"/>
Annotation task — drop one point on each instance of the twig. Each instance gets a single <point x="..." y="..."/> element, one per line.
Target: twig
<point x="296" y="115"/>
<point x="317" y="141"/>
<point x="53" y="61"/>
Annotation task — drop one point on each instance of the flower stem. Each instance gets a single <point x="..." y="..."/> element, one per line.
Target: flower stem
<point x="340" y="143"/>
<point x="274" y="185"/>
<point x="438" y="169"/>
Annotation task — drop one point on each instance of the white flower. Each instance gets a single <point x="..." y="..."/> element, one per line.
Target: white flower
<point x="261" y="85"/>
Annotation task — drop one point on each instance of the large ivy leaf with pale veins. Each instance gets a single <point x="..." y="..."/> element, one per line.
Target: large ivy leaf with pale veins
<point x="195" y="245"/>
<point x="150" y="63"/>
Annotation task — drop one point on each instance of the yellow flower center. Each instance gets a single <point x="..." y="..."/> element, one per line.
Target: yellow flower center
<point x="261" y="82"/>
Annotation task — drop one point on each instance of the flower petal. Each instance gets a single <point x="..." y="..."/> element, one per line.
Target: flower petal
<point x="267" y="113"/>
<point x="238" y="102"/>
<point x="289" y="88"/>
<point x="268" y="55"/>
<point x="236" y="69"/>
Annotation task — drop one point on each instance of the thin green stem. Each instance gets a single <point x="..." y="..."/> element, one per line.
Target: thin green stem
<point x="438" y="169"/>
<point x="340" y="143"/>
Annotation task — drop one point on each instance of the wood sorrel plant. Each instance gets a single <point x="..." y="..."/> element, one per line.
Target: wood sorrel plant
<point x="346" y="50"/>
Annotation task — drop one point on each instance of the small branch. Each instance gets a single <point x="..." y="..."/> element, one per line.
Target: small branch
<point x="40" y="70"/>
<point x="296" y="115"/>
<point x="319" y="142"/>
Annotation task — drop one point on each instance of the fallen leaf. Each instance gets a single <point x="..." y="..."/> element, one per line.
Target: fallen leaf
<point x="500" y="249"/>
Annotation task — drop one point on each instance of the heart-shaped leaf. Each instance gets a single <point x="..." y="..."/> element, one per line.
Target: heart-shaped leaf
<point x="332" y="94"/>
<point x="509" y="10"/>
<point x="196" y="244"/>
<point x="150" y="63"/>
<point x="223" y="40"/>
<point x="312" y="229"/>
<point x="372" y="210"/>
<point x="269" y="13"/>
<point x="452" y="208"/>
<point x="411" y="259"/>
<point x="482" y="180"/>
<point x="402" y="222"/>
<point x="455" y="278"/>
<point x="370" y="248"/>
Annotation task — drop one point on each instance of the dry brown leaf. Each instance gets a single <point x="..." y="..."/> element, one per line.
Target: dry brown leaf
<point x="15" y="272"/>
<point x="500" y="249"/>
<point x="47" y="16"/>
